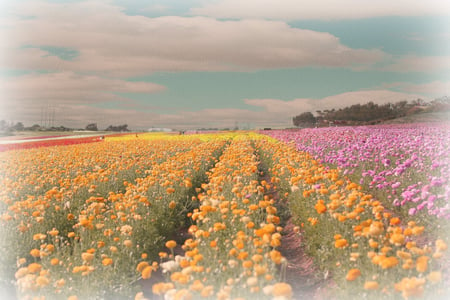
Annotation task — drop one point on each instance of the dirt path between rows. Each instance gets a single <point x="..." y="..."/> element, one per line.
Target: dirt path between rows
<point x="305" y="278"/>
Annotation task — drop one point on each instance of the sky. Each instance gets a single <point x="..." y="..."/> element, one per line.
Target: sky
<point x="187" y="64"/>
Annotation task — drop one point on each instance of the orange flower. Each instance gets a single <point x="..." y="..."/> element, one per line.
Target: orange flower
<point x="422" y="264"/>
<point x="403" y="254"/>
<point x="320" y="207"/>
<point x="341" y="243"/>
<point x="247" y="264"/>
<point x="172" y="204"/>
<point x="410" y="287"/>
<point x="162" y="287"/>
<point x="394" y="221"/>
<point x="147" y="272"/>
<point x="171" y="244"/>
<point x="373" y="244"/>
<point x="42" y="281"/>
<point x="397" y="239"/>
<point x="35" y="253"/>
<point x="87" y="256"/>
<point x="440" y="245"/>
<point x="353" y="274"/>
<point x="417" y="230"/>
<point x="371" y="285"/>
<point x="313" y="221"/>
<point x="107" y="261"/>
<point x="282" y="289"/>
<point x="53" y="232"/>
<point x="434" y="277"/>
<point x="34" y="268"/>
<point x="276" y="256"/>
<point x="253" y="207"/>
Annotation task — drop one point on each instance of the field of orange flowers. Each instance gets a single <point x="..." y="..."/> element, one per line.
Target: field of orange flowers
<point x="198" y="216"/>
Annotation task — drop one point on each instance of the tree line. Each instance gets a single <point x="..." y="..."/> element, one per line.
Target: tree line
<point x="369" y="113"/>
<point x="19" y="126"/>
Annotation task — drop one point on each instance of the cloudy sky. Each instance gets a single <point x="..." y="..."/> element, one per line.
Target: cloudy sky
<point x="194" y="63"/>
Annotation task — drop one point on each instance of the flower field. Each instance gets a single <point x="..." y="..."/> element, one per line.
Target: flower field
<point x="204" y="216"/>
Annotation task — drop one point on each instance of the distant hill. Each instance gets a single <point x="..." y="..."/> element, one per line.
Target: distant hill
<point x="422" y="118"/>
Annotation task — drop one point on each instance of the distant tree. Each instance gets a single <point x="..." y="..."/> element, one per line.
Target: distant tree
<point x="18" y="127"/>
<point x="92" y="127"/>
<point x="305" y="119"/>
<point x="3" y="125"/>
<point x="35" y="127"/>
<point x="119" y="128"/>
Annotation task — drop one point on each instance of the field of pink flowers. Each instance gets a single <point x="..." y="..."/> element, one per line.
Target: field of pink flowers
<point x="408" y="165"/>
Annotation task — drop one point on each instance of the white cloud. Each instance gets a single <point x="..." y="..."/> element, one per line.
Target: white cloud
<point x="277" y="112"/>
<point x="25" y="96"/>
<point x="113" y="43"/>
<point x="433" y="89"/>
<point x="413" y="63"/>
<point x="280" y="107"/>
<point x="320" y="9"/>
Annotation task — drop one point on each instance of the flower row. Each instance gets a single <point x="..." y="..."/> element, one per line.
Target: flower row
<point x="369" y="250"/>
<point x="233" y="250"/>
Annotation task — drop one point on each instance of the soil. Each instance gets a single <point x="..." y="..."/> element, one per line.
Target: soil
<point x="306" y="280"/>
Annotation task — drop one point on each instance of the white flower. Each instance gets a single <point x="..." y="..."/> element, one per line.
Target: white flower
<point x="169" y="266"/>
<point x="251" y="281"/>
<point x="170" y="294"/>
<point x="267" y="290"/>
<point x="294" y="188"/>
<point x="126" y="229"/>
